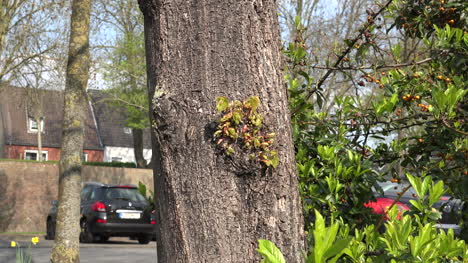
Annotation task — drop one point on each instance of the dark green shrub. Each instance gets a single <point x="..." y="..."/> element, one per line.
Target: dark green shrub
<point x="111" y="164"/>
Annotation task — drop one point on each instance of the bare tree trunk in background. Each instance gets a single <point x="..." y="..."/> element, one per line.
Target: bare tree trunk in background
<point x="197" y="51"/>
<point x="138" y="147"/>
<point x="35" y="107"/>
<point x="39" y="139"/>
<point x="66" y="246"/>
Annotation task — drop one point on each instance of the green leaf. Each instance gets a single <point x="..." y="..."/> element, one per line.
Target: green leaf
<point x="274" y="159"/>
<point x="237" y="117"/>
<point x="300" y="53"/>
<point x="229" y="150"/>
<point x="232" y="133"/>
<point x="425" y="185"/>
<point x="270" y="252"/>
<point x="297" y="21"/>
<point x="337" y="249"/>
<point x="350" y="155"/>
<point x="142" y="188"/>
<point x="436" y="192"/>
<point x="256" y="142"/>
<point x="435" y="215"/>
<point x="306" y="76"/>
<point x="416" y="204"/>
<point x="396" y="50"/>
<point x="222" y="104"/>
<point x="441" y="164"/>
<point x="217" y="133"/>
<point x="226" y="117"/>
<point x="416" y="184"/>
<point x="252" y="102"/>
<point x="257" y="121"/>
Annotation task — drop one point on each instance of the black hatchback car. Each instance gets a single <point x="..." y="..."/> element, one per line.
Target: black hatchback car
<point x="110" y="210"/>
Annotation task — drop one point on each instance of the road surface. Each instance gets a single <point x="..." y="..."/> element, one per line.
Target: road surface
<point x="113" y="251"/>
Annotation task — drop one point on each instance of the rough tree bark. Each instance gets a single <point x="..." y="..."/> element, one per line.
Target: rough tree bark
<point x="66" y="246"/>
<point x="138" y="148"/>
<point x="196" y="51"/>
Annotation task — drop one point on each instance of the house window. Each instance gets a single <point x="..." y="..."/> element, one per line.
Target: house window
<point x="127" y="130"/>
<point x="116" y="159"/>
<point x="33" y="155"/>
<point x="32" y="125"/>
<point x="84" y="157"/>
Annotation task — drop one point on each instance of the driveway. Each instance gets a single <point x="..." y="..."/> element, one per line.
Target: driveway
<point x="115" y="250"/>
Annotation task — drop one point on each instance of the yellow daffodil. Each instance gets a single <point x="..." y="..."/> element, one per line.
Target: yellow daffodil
<point x="35" y="240"/>
<point x="13" y="244"/>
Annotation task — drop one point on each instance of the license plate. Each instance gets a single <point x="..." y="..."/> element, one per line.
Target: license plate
<point x="126" y="215"/>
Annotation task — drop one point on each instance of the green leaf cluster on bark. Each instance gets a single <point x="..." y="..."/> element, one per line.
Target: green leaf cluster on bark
<point x="241" y="132"/>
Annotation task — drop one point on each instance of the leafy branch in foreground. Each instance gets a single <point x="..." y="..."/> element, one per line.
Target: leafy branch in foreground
<point x="411" y="238"/>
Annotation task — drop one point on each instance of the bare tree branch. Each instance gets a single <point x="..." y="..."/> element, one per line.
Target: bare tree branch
<point x="401" y="65"/>
<point x="117" y="99"/>
<point x="348" y="49"/>
<point x="447" y="125"/>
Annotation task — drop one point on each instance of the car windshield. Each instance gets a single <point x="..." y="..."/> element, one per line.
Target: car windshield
<point x="127" y="194"/>
<point x="393" y="189"/>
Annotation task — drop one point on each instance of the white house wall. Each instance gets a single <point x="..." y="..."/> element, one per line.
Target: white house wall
<point x="125" y="153"/>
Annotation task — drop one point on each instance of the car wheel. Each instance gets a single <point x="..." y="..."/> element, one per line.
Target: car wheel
<point x="85" y="235"/>
<point x="50" y="230"/>
<point x="144" y="239"/>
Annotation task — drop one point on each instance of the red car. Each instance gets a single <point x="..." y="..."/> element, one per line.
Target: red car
<point x="382" y="204"/>
<point x="450" y="208"/>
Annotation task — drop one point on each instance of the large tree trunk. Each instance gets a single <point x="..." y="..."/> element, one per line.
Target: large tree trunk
<point x="138" y="147"/>
<point x="196" y="51"/>
<point x="66" y="246"/>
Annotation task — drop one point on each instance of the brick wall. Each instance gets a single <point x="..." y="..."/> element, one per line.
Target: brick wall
<point x="53" y="154"/>
<point x="94" y="156"/>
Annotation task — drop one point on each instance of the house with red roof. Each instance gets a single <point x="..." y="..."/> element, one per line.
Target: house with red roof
<point x="19" y="126"/>
<point x="106" y="135"/>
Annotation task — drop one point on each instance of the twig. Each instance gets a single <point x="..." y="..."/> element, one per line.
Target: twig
<point x="376" y="122"/>
<point x="114" y="98"/>
<point x="391" y="206"/>
<point x="446" y="124"/>
<point x="400" y="128"/>
<point x="375" y="67"/>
